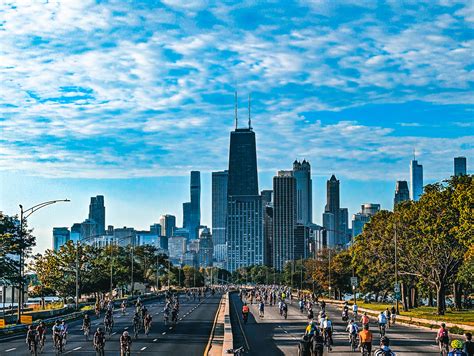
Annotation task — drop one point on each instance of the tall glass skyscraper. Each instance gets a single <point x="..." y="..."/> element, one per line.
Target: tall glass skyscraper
<point x="304" y="192"/>
<point x="416" y="180"/>
<point x="460" y="166"/>
<point x="195" y="213"/>
<point x="97" y="213"/>
<point x="168" y="225"/>
<point x="333" y="223"/>
<point x="219" y="213"/>
<point x="245" y="240"/>
<point x="284" y="218"/>
<point x="61" y="235"/>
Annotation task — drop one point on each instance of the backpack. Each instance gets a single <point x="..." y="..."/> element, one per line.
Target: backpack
<point x="444" y="336"/>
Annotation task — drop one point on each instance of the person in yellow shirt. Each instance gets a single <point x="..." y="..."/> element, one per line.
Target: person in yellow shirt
<point x="365" y="339"/>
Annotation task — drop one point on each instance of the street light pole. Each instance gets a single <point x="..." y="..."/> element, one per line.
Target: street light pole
<point x="77" y="275"/>
<point x="396" y="268"/>
<point x="132" y="287"/>
<point x="24" y="214"/>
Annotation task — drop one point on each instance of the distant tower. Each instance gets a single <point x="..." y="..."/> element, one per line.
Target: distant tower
<point x="195" y="216"/>
<point x="304" y="201"/>
<point x="460" y="166"/>
<point x="401" y="192"/>
<point x="168" y="225"/>
<point x="333" y="224"/>
<point x="97" y="213"/>
<point x="416" y="180"/>
<point x="219" y="214"/>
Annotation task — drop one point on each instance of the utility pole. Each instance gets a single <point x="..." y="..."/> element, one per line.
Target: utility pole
<point x="132" y="287"/>
<point x="301" y="282"/>
<point x="77" y="275"/>
<point x="329" y="250"/>
<point x="157" y="276"/>
<point x="111" y="269"/>
<point x="169" y="271"/>
<point x="396" y="269"/>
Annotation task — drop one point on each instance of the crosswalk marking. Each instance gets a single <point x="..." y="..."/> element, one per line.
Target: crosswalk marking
<point x="143" y="348"/>
<point x="10" y="349"/>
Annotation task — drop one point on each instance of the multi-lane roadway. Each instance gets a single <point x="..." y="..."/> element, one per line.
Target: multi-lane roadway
<point x="189" y="337"/>
<point x="273" y="335"/>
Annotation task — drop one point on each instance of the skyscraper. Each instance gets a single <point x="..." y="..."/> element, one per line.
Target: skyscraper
<point x="416" y="180"/>
<point x="195" y="213"/>
<point x="360" y="219"/>
<point x="304" y="192"/>
<point x="344" y="225"/>
<point x="97" y="213"/>
<point x="401" y="192"/>
<point x="219" y="213"/>
<point x="267" y="202"/>
<point x="168" y="225"/>
<point x="460" y="166"/>
<point x="245" y="245"/>
<point x="284" y="218"/>
<point x="333" y="224"/>
<point x="187" y="216"/>
<point x="60" y="237"/>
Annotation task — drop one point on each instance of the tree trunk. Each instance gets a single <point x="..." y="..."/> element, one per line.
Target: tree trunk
<point x="440" y="293"/>
<point x="430" y="298"/>
<point x="457" y="292"/>
<point x="413" y="297"/>
<point x="415" y="301"/>
<point x="404" y="297"/>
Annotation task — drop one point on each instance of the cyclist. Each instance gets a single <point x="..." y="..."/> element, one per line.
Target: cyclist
<point x="310" y="314"/>
<point x="353" y="330"/>
<point x="166" y="314"/>
<point x="245" y="312"/>
<point x="174" y="315"/>
<point x="384" y="348"/>
<point x="144" y="313"/>
<point x="365" y="339"/>
<point x="469" y="345"/>
<point x="457" y="346"/>
<point x="108" y="321"/>
<point x="147" y="322"/>
<point x="394" y="314"/>
<point x="41" y="330"/>
<point x="311" y="329"/>
<point x="301" y="305"/>
<point x="261" y="309"/>
<point x="285" y="310"/>
<point x="125" y="343"/>
<point x="64" y="331"/>
<point x="86" y="325"/>
<point x="355" y="309"/>
<point x="57" y="335"/>
<point x="328" y="330"/>
<point x="97" y="308"/>
<point x="32" y="339"/>
<point x="123" y="306"/>
<point x="364" y="320"/>
<point x="382" y="319"/>
<point x="442" y="338"/>
<point x="388" y="316"/>
<point x="99" y="342"/>
<point x="136" y="321"/>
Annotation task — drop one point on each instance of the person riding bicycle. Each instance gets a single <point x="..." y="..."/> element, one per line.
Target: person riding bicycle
<point x="328" y="330"/>
<point x="99" y="340"/>
<point x="144" y="312"/>
<point x="123" y="306"/>
<point x="442" y="337"/>
<point x="147" y="321"/>
<point x="41" y="331"/>
<point x="364" y="320"/>
<point x="109" y="319"/>
<point x="57" y="333"/>
<point x="469" y="345"/>
<point x="365" y="339"/>
<point x="355" y="309"/>
<point x="284" y="310"/>
<point x="261" y="309"/>
<point x="31" y="338"/>
<point x="384" y="348"/>
<point x="311" y="329"/>
<point x="125" y="343"/>
<point x="245" y="311"/>
<point x="174" y="315"/>
<point x="457" y="346"/>
<point x="388" y="315"/>
<point x="310" y="314"/>
<point x="136" y="320"/>
<point x="64" y="330"/>
<point x="382" y="320"/>
<point x="353" y="329"/>
<point x="86" y="322"/>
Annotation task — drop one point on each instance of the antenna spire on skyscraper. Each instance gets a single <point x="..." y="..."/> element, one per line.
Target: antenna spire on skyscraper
<point x="250" y="120"/>
<point x="414" y="154"/>
<point x="235" y="110"/>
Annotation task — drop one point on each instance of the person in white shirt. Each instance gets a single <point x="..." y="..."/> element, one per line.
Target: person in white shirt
<point x="327" y="331"/>
<point x="353" y="329"/>
<point x="382" y="319"/>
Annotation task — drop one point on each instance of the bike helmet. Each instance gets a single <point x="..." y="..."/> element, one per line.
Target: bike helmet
<point x="443" y="325"/>
<point x="99" y="330"/>
<point x="125" y="333"/>
<point x="57" y="322"/>
<point x="456" y="344"/>
<point x="30" y="327"/>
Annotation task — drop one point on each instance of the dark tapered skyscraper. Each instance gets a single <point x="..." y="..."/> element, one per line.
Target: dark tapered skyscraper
<point x="245" y="240"/>
<point x="401" y="192"/>
<point x="195" y="213"/>
<point x="460" y="166"/>
<point x="304" y="192"/>
<point x="97" y="213"/>
<point x="333" y="207"/>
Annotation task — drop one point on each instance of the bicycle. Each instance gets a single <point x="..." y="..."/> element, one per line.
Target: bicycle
<point x="364" y="350"/>
<point x="58" y="344"/>
<point x="33" y="346"/>
<point x="136" y="329"/>
<point x="99" y="350"/>
<point x="444" y="348"/>
<point x="382" y="329"/>
<point x="41" y="342"/>
<point x="125" y="350"/>
<point x="147" y="329"/>
<point x="354" y="342"/>
<point x="86" y="332"/>
<point x="239" y="351"/>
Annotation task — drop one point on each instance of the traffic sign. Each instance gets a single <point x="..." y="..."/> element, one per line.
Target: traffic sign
<point x="354" y="281"/>
<point x="398" y="296"/>
<point x="26" y="319"/>
<point x="396" y="288"/>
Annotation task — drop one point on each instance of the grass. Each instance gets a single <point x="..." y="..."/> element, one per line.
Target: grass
<point x="465" y="317"/>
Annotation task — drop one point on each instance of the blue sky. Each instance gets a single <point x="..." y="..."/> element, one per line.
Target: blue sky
<point x="125" y="98"/>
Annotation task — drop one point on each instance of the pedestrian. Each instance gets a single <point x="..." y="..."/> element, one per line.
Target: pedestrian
<point x="261" y="309"/>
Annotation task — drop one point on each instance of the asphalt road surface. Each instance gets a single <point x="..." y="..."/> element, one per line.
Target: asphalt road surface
<point x="273" y="335"/>
<point x="188" y="337"/>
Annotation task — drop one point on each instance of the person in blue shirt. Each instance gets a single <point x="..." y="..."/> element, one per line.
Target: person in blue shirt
<point x="457" y="348"/>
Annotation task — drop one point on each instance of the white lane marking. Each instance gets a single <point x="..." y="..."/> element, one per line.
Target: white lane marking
<point x="155" y="340"/>
<point x="163" y="333"/>
<point x="180" y="319"/>
<point x="114" y="333"/>
<point x="143" y="348"/>
<point x="77" y="348"/>
<point x="126" y="328"/>
<point x="10" y="349"/>
<point x="171" y="327"/>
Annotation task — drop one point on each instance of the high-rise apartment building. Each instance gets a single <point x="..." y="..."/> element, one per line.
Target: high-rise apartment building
<point x="267" y="203"/>
<point x="284" y="218"/>
<point x="75" y="234"/>
<point x="219" y="213"/>
<point x="244" y="230"/>
<point x="460" y="166"/>
<point x="97" y="213"/>
<point x="360" y="219"/>
<point x="60" y="237"/>
<point x="206" y="248"/>
<point x="195" y="213"/>
<point x="401" y="192"/>
<point x="344" y="225"/>
<point x="416" y="180"/>
<point x="332" y="223"/>
<point x="304" y="192"/>
<point x="168" y="225"/>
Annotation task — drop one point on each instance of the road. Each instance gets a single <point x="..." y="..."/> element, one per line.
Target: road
<point x="188" y="337"/>
<point x="273" y="335"/>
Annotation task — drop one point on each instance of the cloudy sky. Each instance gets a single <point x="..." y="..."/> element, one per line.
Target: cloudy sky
<point x="125" y="98"/>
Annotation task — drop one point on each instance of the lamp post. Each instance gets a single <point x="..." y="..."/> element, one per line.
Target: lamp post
<point x="24" y="214"/>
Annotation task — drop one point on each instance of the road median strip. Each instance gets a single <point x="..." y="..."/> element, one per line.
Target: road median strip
<point x="214" y="344"/>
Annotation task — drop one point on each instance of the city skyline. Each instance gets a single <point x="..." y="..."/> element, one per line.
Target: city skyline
<point x="353" y="88"/>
